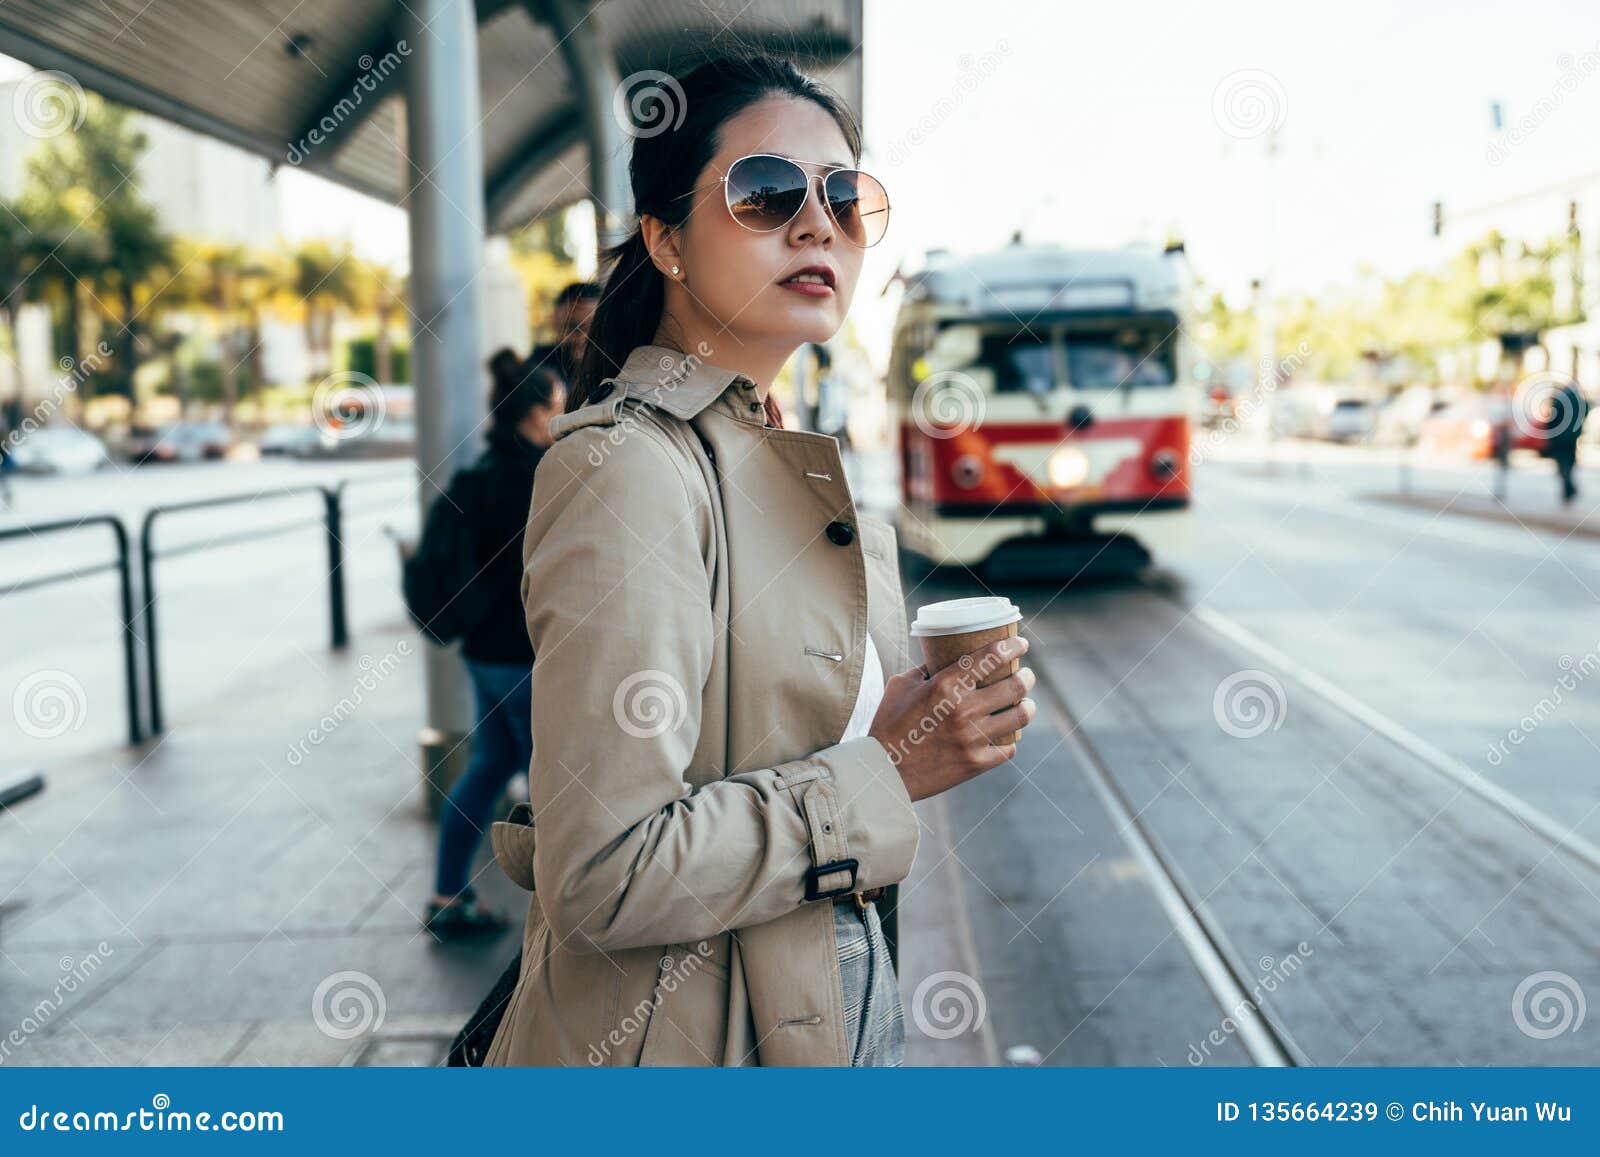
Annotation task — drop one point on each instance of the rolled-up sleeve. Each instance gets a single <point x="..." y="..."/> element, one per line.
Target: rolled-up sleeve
<point x="617" y="596"/>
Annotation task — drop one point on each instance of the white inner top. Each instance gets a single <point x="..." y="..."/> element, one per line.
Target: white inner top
<point x="868" y="698"/>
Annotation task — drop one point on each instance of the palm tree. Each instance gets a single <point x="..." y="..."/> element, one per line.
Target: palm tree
<point x="19" y="258"/>
<point x="323" y="280"/>
<point x="381" y="292"/>
<point x="80" y="190"/>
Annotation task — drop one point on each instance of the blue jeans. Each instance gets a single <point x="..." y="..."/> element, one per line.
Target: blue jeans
<point x="502" y="745"/>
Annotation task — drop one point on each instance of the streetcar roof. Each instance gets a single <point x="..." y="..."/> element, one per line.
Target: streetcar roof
<point x="1048" y="277"/>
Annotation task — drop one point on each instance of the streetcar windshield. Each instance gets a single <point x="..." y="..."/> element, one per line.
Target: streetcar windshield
<point x="1038" y="359"/>
<point x="1022" y="362"/>
<point x="1118" y="358"/>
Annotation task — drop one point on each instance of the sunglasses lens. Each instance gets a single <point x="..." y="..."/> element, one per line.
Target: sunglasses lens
<point x="764" y="193"/>
<point x="859" y="204"/>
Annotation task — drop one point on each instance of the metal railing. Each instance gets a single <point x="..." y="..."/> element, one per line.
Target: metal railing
<point x="332" y="520"/>
<point x="141" y="624"/>
<point x="125" y="576"/>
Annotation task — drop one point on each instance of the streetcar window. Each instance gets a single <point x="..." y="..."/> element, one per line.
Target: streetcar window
<point x="1021" y="361"/>
<point x="1105" y="360"/>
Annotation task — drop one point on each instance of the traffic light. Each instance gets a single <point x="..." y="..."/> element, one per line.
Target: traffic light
<point x="1438" y="218"/>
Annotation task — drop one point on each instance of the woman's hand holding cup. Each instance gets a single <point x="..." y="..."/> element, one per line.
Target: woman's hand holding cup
<point x="957" y="715"/>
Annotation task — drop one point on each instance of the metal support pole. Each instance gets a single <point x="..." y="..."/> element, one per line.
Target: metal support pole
<point x="445" y="205"/>
<point x="334" y="521"/>
<point x="586" y="50"/>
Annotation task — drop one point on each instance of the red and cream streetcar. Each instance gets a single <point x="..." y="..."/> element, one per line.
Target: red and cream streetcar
<point x="1044" y="403"/>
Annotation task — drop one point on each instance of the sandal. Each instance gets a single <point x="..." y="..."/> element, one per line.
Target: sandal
<point x="462" y="917"/>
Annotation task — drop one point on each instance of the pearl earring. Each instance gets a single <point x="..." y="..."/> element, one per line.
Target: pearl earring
<point x="674" y="271"/>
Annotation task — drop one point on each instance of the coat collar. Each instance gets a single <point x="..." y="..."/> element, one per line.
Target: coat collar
<point x="683" y="384"/>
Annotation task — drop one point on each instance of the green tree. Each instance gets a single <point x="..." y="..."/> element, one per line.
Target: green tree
<point x="84" y="183"/>
<point x="322" y="280"/>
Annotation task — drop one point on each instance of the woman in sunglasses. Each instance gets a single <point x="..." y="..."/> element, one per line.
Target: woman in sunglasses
<point x="723" y="776"/>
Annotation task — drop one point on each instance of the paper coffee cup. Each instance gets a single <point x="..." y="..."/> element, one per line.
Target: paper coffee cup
<point x="953" y="628"/>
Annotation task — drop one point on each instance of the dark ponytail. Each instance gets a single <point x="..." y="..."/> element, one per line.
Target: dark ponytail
<point x="517" y="385"/>
<point x="666" y="165"/>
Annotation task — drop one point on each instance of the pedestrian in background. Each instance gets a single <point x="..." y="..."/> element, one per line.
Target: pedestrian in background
<point x="573" y="311"/>
<point x="496" y="649"/>
<point x="1565" y="412"/>
<point x="10" y="427"/>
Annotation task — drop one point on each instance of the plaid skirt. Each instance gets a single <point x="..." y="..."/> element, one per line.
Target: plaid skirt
<point x="874" y="1021"/>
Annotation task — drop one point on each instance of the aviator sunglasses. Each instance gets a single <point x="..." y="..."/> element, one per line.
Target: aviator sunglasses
<point x="765" y="192"/>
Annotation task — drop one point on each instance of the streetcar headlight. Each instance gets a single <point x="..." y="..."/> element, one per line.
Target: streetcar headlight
<point x="1068" y="467"/>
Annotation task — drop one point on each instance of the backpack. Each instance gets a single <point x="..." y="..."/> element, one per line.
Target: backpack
<point x="441" y="581"/>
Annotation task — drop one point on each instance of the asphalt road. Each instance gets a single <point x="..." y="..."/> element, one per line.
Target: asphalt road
<point x="1295" y="710"/>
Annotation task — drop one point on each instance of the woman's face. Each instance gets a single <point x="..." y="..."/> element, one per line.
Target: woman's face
<point x="733" y="275"/>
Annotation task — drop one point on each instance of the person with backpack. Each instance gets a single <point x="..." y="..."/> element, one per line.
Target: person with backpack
<point x="464" y="582"/>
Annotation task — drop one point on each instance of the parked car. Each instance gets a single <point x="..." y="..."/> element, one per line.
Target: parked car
<point x="1219" y="405"/>
<point x="59" y="450"/>
<point x="292" y="438"/>
<point x="1466" y="429"/>
<point x="1292" y="413"/>
<point x="1346" y="419"/>
<point x="1400" y="419"/>
<point x="179" y="442"/>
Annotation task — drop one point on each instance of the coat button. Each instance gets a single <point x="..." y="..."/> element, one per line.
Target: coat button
<point x="840" y="533"/>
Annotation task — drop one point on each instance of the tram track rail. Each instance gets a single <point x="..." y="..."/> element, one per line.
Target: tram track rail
<point x="1194" y="923"/>
<point x="1261" y="1030"/>
<point x="1558" y="836"/>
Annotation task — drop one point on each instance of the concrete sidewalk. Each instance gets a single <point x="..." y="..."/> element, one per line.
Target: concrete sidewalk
<point x="244" y="891"/>
<point x="1579" y="519"/>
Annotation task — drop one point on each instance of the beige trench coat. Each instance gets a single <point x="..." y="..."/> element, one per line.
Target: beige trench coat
<point x="699" y="628"/>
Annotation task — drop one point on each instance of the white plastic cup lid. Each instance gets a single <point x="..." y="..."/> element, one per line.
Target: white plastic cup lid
<point x="958" y="616"/>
